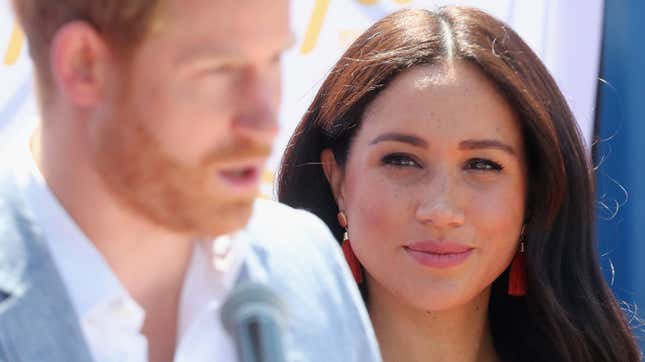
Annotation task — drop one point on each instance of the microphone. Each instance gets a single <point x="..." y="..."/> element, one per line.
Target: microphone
<point x="255" y="317"/>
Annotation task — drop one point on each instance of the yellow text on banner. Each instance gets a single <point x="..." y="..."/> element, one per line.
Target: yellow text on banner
<point x="16" y="42"/>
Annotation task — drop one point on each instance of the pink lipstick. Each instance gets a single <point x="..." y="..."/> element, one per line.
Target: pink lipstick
<point x="438" y="254"/>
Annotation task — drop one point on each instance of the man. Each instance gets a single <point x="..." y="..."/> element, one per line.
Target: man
<point x="125" y="224"/>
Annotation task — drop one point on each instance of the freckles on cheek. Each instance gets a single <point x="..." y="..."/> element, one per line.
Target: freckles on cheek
<point x="497" y="213"/>
<point x="372" y="212"/>
<point x="372" y="208"/>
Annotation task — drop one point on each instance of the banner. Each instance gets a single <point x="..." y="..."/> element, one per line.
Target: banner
<point x="565" y="34"/>
<point x="17" y="106"/>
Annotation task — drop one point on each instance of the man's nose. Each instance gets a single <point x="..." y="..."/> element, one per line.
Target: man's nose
<point x="257" y="116"/>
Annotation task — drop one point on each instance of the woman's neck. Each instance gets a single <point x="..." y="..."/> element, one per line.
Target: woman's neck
<point x="408" y="334"/>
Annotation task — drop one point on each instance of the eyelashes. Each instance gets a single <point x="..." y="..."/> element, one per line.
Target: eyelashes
<point x="403" y="160"/>
<point x="481" y="164"/>
<point x="400" y="160"/>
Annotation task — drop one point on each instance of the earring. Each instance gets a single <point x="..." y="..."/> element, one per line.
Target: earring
<point x="517" y="274"/>
<point x="350" y="257"/>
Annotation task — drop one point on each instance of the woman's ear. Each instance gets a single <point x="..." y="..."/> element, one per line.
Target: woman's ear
<point x="334" y="175"/>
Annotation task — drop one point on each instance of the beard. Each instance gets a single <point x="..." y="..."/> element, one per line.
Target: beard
<point x="176" y="196"/>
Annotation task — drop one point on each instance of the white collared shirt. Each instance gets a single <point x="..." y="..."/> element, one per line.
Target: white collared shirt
<point x="111" y="320"/>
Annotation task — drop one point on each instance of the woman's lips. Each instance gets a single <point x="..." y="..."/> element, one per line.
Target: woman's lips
<point x="438" y="254"/>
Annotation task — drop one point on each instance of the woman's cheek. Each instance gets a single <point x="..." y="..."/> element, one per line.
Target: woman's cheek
<point x="375" y="212"/>
<point x="497" y="216"/>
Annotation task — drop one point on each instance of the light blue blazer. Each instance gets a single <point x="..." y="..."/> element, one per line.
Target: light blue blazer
<point x="292" y="252"/>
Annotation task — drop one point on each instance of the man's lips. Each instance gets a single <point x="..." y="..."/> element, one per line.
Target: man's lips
<point x="438" y="254"/>
<point x="241" y="177"/>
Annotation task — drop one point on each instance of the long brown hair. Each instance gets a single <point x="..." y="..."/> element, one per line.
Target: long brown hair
<point x="569" y="313"/>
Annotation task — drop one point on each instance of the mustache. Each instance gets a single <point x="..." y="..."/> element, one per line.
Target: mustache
<point x="233" y="152"/>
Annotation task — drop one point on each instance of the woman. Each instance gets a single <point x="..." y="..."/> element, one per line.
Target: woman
<point x="446" y="161"/>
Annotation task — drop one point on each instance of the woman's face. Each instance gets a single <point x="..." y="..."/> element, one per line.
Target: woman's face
<point x="434" y="187"/>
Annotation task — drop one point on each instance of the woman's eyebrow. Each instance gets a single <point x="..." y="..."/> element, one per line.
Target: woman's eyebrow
<point x="487" y="143"/>
<point x="400" y="137"/>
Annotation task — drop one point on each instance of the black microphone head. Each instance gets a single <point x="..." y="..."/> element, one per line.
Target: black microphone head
<point x="249" y="300"/>
<point x="255" y="317"/>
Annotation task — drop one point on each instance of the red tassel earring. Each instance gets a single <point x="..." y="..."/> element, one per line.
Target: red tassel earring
<point x="517" y="274"/>
<point x="350" y="257"/>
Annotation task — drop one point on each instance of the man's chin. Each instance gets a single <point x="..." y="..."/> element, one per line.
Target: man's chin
<point x="227" y="220"/>
<point x="197" y="220"/>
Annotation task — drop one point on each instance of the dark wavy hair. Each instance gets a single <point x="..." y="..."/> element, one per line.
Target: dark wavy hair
<point x="569" y="313"/>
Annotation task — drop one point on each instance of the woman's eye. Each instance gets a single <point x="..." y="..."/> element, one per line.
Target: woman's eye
<point x="480" y="164"/>
<point x="400" y="160"/>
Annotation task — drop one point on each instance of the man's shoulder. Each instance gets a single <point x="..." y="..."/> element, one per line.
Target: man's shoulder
<point x="31" y="289"/>
<point x="269" y="213"/>
<point x="293" y="241"/>
<point x="20" y="248"/>
<point x="283" y="229"/>
<point x="303" y="262"/>
<point x="14" y="231"/>
<point x="297" y="252"/>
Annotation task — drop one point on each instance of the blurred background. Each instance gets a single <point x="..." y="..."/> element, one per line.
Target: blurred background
<point x="590" y="46"/>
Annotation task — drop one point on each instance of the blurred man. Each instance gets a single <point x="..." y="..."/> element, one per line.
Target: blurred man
<point x="124" y="221"/>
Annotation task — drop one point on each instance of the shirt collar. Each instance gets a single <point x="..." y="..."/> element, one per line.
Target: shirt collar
<point x="213" y="271"/>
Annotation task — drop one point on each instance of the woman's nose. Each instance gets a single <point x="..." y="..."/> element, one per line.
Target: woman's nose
<point x="439" y="204"/>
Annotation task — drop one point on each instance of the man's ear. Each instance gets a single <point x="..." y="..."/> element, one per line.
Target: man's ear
<point x="80" y="58"/>
<point x="334" y="175"/>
